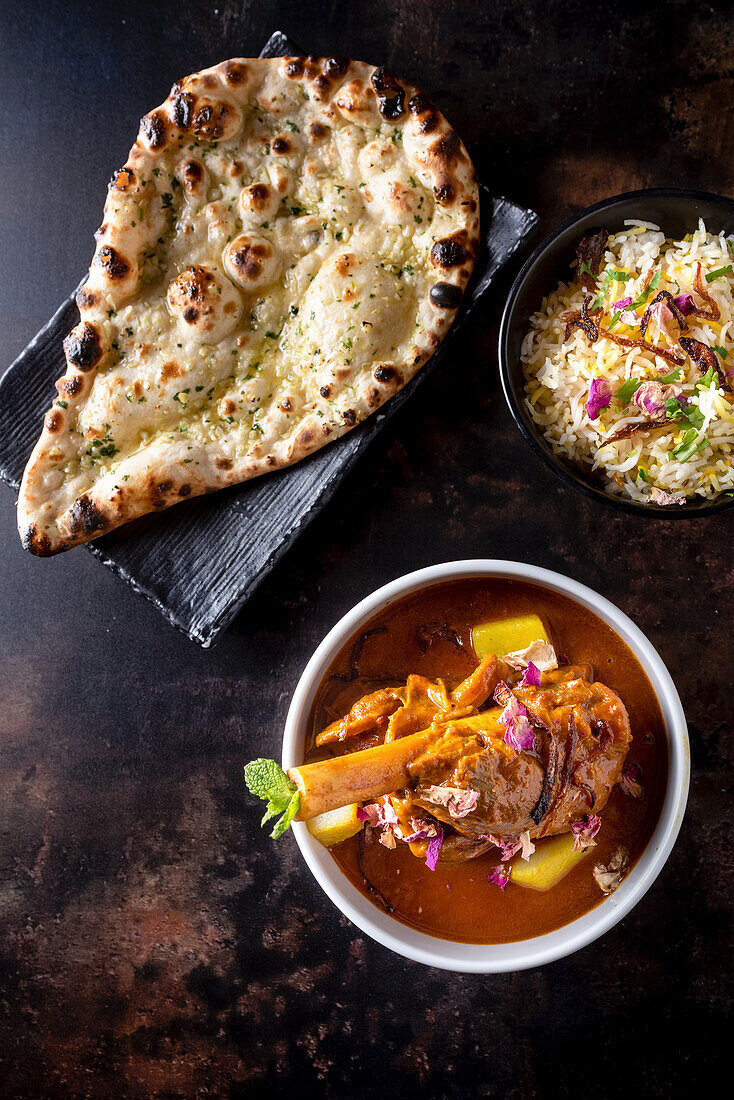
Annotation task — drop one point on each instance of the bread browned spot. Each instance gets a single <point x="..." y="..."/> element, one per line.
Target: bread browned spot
<point x="336" y="66"/>
<point x="448" y="253"/>
<point x="35" y="541"/>
<point x="350" y="417"/>
<point x="446" y="295"/>
<point x="155" y="129"/>
<point x="318" y="131"/>
<point x="223" y="463"/>
<point x="236" y="73"/>
<point x="86" y="299"/>
<point x="184" y="490"/>
<point x="82" y="346"/>
<point x="112" y="262"/>
<point x="259" y="196"/>
<point x="171" y="369"/>
<point x="122" y="180"/>
<point x="384" y="373"/>
<point x="70" y="385"/>
<point x="390" y="93"/>
<point x="282" y="145"/>
<point x="85" y="518"/>
<point x="53" y="420"/>
<point x="345" y="262"/>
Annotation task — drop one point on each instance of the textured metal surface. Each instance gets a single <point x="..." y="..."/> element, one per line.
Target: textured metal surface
<point x="152" y="941"/>
<point x="200" y="562"/>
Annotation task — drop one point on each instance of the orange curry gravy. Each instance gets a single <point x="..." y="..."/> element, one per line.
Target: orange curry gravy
<point x="455" y="901"/>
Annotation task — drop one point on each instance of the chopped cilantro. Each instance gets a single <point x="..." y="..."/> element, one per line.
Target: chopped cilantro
<point x="721" y="351"/>
<point x="626" y="391"/>
<point x="166" y="199"/>
<point x="688" y="446"/>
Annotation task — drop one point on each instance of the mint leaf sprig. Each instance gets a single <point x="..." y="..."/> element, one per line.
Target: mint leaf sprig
<point x="267" y="780"/>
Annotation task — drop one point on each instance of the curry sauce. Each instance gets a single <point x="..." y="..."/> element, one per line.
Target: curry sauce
<point x="429" y="633"/>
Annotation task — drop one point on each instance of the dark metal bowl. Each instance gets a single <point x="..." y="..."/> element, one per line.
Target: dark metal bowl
<point x="676" y="211"/>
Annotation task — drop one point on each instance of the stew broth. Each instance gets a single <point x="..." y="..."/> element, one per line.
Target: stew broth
<point x="429" y="633"/>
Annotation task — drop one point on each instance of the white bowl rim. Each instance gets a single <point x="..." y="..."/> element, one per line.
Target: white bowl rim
<point x="495" y="958"/>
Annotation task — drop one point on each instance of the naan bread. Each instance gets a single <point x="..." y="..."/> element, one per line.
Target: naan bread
<point x="286" y="245"/>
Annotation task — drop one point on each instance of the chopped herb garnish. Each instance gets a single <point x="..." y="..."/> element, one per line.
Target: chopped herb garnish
<point x="166" y="199"/>
<point x="642" y="476"/>
<point x="268" y="781"/>
<point x="721" y="351"/>
<point x="712" y="275"/>
<point x="688" y="446"/>
<point x="626" y="391"/>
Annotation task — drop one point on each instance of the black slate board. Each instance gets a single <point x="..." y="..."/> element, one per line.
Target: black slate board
<point x="199" y="562"/>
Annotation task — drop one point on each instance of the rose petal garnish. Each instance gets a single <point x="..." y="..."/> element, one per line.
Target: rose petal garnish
<point x="458" y="801"/>
<point x="433" y="849"/>
<point x="661" y="497"/>
<point x="631" y="781"/>
<point x="500" y="876"/>
<point x="584" y="833"/>
<point x="531" y="676"/>
<point x="650" y="398"/>
<point x="621" y="303"/>
<point x="378" y="814"/>
<point x="519" y="734"/>
<point x="609" y="877"/>
<point x="541" y="653"/>
<point x="509" y="848"/>
<point x="600" y="395"/>
<point x="527" y="845"/>
<point x="685" y="303"/>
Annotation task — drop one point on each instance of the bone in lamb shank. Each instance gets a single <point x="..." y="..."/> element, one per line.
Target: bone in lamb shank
<point x="548" y="756"/>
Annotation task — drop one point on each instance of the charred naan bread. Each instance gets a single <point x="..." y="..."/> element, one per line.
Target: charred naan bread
<point x="287" y="244"/>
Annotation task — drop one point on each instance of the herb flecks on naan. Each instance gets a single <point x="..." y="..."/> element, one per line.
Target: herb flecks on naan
<point x="287" y="244"/>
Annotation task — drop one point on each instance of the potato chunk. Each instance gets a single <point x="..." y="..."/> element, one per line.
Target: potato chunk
<point x="507" y="635"/>
<point x="551" y="860"/>
<point x="335" y="825"/>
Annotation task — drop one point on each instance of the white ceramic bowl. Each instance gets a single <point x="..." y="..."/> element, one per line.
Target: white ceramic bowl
<point x="495" y="958"/>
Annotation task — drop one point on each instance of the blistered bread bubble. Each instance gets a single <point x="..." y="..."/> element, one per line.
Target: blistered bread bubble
<point x="205" y="303"/>
<point x="251" y="262"/>
<point x="193" y="177"/>
<point x="281" y="179"/>
<point x="221" y="221"/>
<point x="376" y="158"/>
<point x="357" y="102"/>
<point x="258" y="203"/>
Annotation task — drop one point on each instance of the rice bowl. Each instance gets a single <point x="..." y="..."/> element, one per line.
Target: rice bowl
<point x="686" y="450"/>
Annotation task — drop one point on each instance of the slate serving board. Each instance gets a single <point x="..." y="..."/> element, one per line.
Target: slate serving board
<point x="200" y="561"/>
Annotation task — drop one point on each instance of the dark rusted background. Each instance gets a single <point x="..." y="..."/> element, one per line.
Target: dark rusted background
<point x="153" y="942"/>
